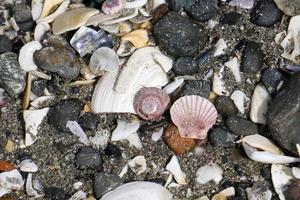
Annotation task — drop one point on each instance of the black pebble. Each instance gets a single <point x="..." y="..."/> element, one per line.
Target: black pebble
<point x="5" y="44"/>
<point x="225" y="106"/>
<point x="26" y="26"/>
<point x="88" y="158"/>
<point x="175" y="5"/>
<point x="231" y="18"/>
<point x="185" y="66"/>
<point x="89" y="121"/>
<point x="201" y="10"/>
<point x="103" y="183"/>
<point x="54" y="193"/>
<point x="240" y="126"/>
<point x="113" y="151"/>
<point x="38" y="87"/>
<point x="21" y="12"/>
<point x="252" y="59"/>
<point x="197" y="87"/>
<point x="271" y="78"/>
<point x="222" y="138"/>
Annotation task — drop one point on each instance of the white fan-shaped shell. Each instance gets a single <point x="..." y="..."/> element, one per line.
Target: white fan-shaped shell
<point x="139" y="190"/>
<point x="194" y="116"/>
<point x="26" y="56"/>
<point x="104" y="59"/>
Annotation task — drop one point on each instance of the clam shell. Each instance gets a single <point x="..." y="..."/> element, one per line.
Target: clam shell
<point x="49" y="5"/>
<point x="194" y="116"/>
<point x="36" y="8"/>
<point x="100" y="18"/>
<point x="26" y="56"/>
<point x="139" y="38"/>
<point x="61" y="9"/>
<point x="72" y="19"/>
<point x="126" y="15"/>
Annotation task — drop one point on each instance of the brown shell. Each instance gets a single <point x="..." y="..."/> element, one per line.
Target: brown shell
<point x="150" y="103"/>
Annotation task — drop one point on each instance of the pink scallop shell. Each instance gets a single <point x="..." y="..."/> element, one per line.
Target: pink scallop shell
<point x="194" y="116"/>
<point x="110" y="7"/>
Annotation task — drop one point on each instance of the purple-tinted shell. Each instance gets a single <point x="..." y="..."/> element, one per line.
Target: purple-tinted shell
<point x="2" y="97"/>
<point x="150" y="103"/>
<point x="111" y="7"/>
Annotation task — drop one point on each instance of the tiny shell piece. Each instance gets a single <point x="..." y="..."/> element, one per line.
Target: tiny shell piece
<point x="28" y="165"/>
<point x="78" y="131"/>
<point x="281" y="178"/>
<point x="36" y="8"/>
<point x="209" y="172"/>
<point x="150" y="103"/>
<point x="135" y="3"/>
<point x="174" y="167"/>
<point x="259" y="105"/>
<point x="124" y="129"/>
<point x="219" y="84"/>
<point x="29" y="187"/>
<point x="234" y="66"/>
<point x="26" y="56"/>
<point x="111" y="7"/>
<point x="49" y="6"/>
<point x="11" y="180"/>
<point x="194" y="116"/>
<point x="72" y="19"/>
<point x="138" y="165"/>
<point x="139" y="38"/>
<point x="240" y="100"/>
<point x="40" y="30"/>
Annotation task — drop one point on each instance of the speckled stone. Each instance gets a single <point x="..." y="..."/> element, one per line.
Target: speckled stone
<point x="179" y="36"/>
<point x="222" y="138"/>
<point x="289" y="7"/>
<point x="201" y="10"/>
<point x="89" y="121"/>
<point x="175" y="5"/>
<point x="113" y="151"/>
<point x="271" y="78"/>
<point x="88" y="158"/>
<point x="21" y="12"/>
<point x="252" y="59"/>
<point x="54" y="193"/>
<point x="5" y="44"/>
<point x="38" y="87"/>
<point x="240" y="126"/>
<point x="197" y="87"/>
<point x="103" y="183"/>
<point x="225" y="106"/>
<point x="12" y="77"/>
<point x="185" y="66"/>
<point x="284" y="115"/>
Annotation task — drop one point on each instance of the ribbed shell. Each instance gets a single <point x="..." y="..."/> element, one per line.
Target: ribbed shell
<point x="194" y="116"/>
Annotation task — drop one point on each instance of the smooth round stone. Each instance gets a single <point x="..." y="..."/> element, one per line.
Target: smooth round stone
<point x="232" y="18"/>
<point x="89" y="121"/>
<point x="12" y="77"/>
<point x="179" y="36"/>
<point x="252" y="59"/>
<point x="64" y="111"/>
<point x="225" y="106"/>
<point x="289" y="7"/>
<point x="21" y="12"/>
<point x="271" y="78"/>
<point x="265" y="13"/>
<point x="88" y="158"/>
<point x="284" y="115"/>
<point x="175" y="5"/>
<point x="38" y="87"/>
<point x="240" y="126"/>
<point x="112" y="150"/>
<point x="58" y="59"/>
<point x="197" y="87"/>
<point x="201" y="10"/>
<point x="54" y="193"/>
<point x="103" y="183"/>
<point x="222" y="138"/>
<point x="5" y="44"/>
<point x="185" y="66"/>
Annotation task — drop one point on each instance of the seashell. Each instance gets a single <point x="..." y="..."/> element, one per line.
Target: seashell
<point x="234" y="66"/>
<point x="87" y="40"/>
<point x="110" y="7"/>
<point x="126" y="15"/>
<point x="194" y="116"/>
<point x="125" y="49"/>
<point x="28" y="165"/>
<point x="259" y="105"/>
<point x="104" y="59"/>
<point x="139" y="38"/>
<point x="281" y="178"/>
<point x="36" y="9"/>
<point x="61" y="9"/>
<point x="267" y="157"/>
<point x="13" y="24"/>
<point x="29" y="187"/>
<point x="150" y="103"/>
<point x="40" y="30"/>
<point x="240" y="100"/>
<point x="42" y="102"/>
<point x="136" y="190"/>
<point x="78" y="131"/>
<point x="72" y="19"/>
<point x="135" y="3"/>
<point x="49" y="6"/>
<point x="245" y="4"/>
<point x="296" y="172"/>
<point x="140" y="19"/>
<point x="220" y="46"/>
<point x="259" y="191"/>
<point x="33" y="119"/>
<point x="209" y="172"/>
<point x="157" y="135"/>
<point x="11" y="180"/>
<point x="124" y="129"/>
<point x="138" y="165"/>
<point x="135" y="141"/>
<point x="79" y="195"/>
<point x="113" y="28"/>
<point x="100" y="18"/>
<point x="171" y="87"/>
<point x="219" y="84"/>
<point x="261" y="142"/>
<point x="26" y="56"/>
<point x="228" y="192"/>
<point x="174" y="167"/>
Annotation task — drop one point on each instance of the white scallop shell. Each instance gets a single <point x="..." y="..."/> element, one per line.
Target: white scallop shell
<point x="26" y="56"/>
<point x="194" y="116"/>
<point x="139" y="190"/>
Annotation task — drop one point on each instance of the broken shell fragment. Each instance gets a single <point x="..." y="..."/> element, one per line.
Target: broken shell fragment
<point x="104" y="59"/>
<point x="36" y="8"/>
<point x="135" y="3"/>
<point x="209" y="172"/>
<point x="296" y="172"/>
<point x="139" y="38"/>
<point x="126" y="15"/>
<point x="219" y="84"/>
<point x="28" y="165"/>
<point x="87" y="40"/>
<point x="72" y="19"/>
<point x="174" y="167"/>
<point x="234" y="66"/>
<point x="194" y="116"/>
<point x="26" y="56"/>
<point x="281" y="178"/>
<point x="111" y="7"/>
<point x="61" y="9"/>
<point x="78" y="131"/>
<point x="124" y="129"/>
<point x="136" y="190"/>
<point x="240" y="100"/>
<point x="259" y="105"/>
<point x="138" y="165"/>
<point x="49" y="6"/>
<point x="100" y="18"/>
<point x="171" y="87"/>
<point x="29" y="187"/>
<point x="150" y="103"/>
<point x="40" y="30"/>
<point x="11" y="180"/>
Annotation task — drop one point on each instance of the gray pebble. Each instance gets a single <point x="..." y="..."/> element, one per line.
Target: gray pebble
<point x="222" y="138"/>
<point x="271" y="78"/>
<point x="103" y="183"/>
<point x="5" y="44"/>
<point x="185" y="66"/>
<point x="225" y="106"/>
<point x="201" y="10"/>
<point x="240" y="126"/>
<point x="252" y="59"/>
<point x="88" y="158"/>
<point x="197" y="87"/>
<point x="21" y="12"/>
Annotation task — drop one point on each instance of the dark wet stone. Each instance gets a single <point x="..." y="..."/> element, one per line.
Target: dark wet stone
<point x="89" y="121"/>
<point x="21" y="12"/>
<point x="225" y="106"/>
<point x="284" y="115"/>
<point x="222" y="138"/>
<point x="103" y="183"/>
<point x="179" y="36"/>
<point x="113" y="151"/>
<point x="252" y="59"/>
<point x="38" y="87"/>
<point x="201" y="10"/>
<point x="197" y="87"/>
<point x="293" y="191"/>
<point x="241" y="44"/>
<point x="185" y="66"/>
<point x="58" y="59"/>
<point x="12" y="77"/>
<point x="64" y="111"/>
<point x="240" y="126"/>
<point x="289" y="7"/>
<point x="88" y="158"/>
<point x="265" y="13"/>
<point x="5" y="44"/>
<point x="271" y="78"/>
<point x="54" y="193"/>
<point x="54" y="85"/>
<point x="175" y="5"/>
<point x="231" y="18"/>
<point x="26" y="26"/>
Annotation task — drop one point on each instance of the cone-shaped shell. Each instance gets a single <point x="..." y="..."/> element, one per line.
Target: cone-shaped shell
<point x="150" y="103"/>
<point x="194" y="116"/>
